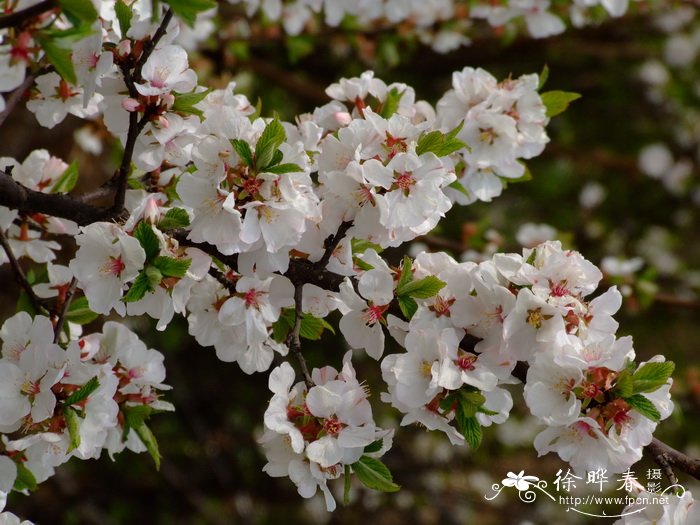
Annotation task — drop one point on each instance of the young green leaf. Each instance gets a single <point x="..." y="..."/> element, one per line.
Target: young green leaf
<point x="138" y="288"/>
<point x="406" y="275"/>
<point x="79" y="312"/>
<point x="374" y="446"/>
<point x="652" y="376"/>
<point x="68" y="179"/>
<point x="391" y="104"/>
<point x="456" y="185"/>
<point x="73" y="425"/>
<point x="135" y="418"/>
<point x="174" y="218"/>
<point x="148" y="239"/>
<point x="422" y="288"/>
<point x="124" y="16"/>
<point x="171" y="267"/>
<point x="243" y="150"/>
<point x="82" y="393"/>
<point x="188" y="10"/>
<point x="82" y="10"/>
<point x="556" y="102"/>
<point x="543" y="77"/>
<point x="408" y="306"/>
<point x="374" y="474"/>
<point x="25" y="479"/>
<point x="270" y="140"/>
<point x="346" y="485"/>
<point x="644" y="406"/>
<point x="186" y="102"/>
<point x="59" y="57"/>
<point x="281" y="169"/>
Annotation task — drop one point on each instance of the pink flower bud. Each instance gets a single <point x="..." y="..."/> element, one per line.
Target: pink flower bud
<point x="168" y="99"/>
<point x="151" y="212"/>
<point x="163" y="122"/>
<point x="124" y="48"/>
<point x="130" y="104"/>
<point x="343" y="118"/>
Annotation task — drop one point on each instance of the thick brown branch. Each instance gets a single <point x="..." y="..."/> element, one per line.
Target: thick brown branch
<point x="15" y="196"/>
<point x="665" y="454"/>
<point x="16" y="18"/>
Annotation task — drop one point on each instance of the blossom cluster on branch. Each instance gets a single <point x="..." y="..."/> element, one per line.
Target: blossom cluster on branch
<point x="255" y="230"/>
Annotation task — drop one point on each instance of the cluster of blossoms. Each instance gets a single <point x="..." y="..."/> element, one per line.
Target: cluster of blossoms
<point x="72" y="399"/>
<point x="256" y="229"/>
<point x="313" y="435"/>
<point x="443" y="24"/>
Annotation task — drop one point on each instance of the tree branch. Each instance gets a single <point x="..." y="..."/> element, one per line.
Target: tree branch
<point x="332" y="242"/>
<point x="664" y="454"/>
<point x="18" y="197"/>
<point x="16" y="18"/>
<point x="293" y="340"/>
<point x="20" y="277"/>
<point x="63" y="310"/>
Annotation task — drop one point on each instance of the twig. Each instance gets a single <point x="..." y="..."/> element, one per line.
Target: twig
<point x="63" y="310"/>
<point x="18" y="197"/>
<point x="216" y="274"/>
<point x="332" y="242"/>
<point x="664" y="454"/>
<point x="16" y="96"/>
<point x="136" y="125"/>
<point x="16" y="18"/>
<point x="293" y="340"/>
<point x="20" y="277"/>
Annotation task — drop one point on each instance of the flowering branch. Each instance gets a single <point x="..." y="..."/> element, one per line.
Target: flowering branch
<point x="18" y="17"/>
<point x="332" y="243"/>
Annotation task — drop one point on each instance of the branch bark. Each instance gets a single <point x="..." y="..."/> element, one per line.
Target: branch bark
<point x="294" y="341"/>
<point x="16" y="18"/>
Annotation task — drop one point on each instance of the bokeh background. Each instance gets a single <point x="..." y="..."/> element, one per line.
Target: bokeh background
<point x="619" y="181"/>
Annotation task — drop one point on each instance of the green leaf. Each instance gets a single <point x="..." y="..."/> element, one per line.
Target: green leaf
<point x="281" y="327"/>
<point x="148" y="239"/>
<point x="374" y="474"/>
<point x="556" y="102"/>
<point x="83" y="10"/>
<point x="422" y="288"/>
<point x="623" y="385"/>
<point x="185" y="102"/>
<point x="373" y="447"/>
<point x="362" y="265"/>
<point x="174" y="218"/>
<point x="439" y="143"/>
<point x="456" y="185"/>
<point x="79" y="312"/>
<point x="141" y="285"/>
<point x="311" y="327"/>
<point x="391" y="104"/>
<point x="407" y="305"/>
<point x="25" y="478"/>
<point x="644" y="406"/>
<point x="652" y="376"/>
<point x="270" y="140"/>
<point x="68" y="179"/>
<point x="543" y="77"/>
<point x="187" y="10"/>
<point x="299" y="46"/>
<point x="406" y="275"/>
<point x="124" y="15"/>
<point x="283" y="168"/>
<point x="25" y="304"/>
<point x="243" y="150"/>
<point x="73" y="424"/>
<point x="471" y="430"/>
<point x="82" y="393"/>
<point x="59" y="58"/>
<point x="171" y="267"/>
<point x="362" y="245"/>
<point x="135" y="418"/>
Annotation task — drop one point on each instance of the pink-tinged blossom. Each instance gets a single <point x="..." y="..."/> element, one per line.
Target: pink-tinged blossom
<point x="166" y="70"/>
<point x="107" y="259"/>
